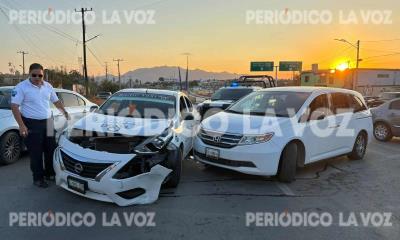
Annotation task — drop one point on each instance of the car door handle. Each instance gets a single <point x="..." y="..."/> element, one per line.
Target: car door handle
<point x="335" y="126"/>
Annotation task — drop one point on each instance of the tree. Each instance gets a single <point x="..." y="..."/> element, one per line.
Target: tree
<point x="108" y="86"/>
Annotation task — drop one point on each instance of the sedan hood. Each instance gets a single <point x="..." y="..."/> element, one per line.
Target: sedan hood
<point x="244" y="124"/>
<point x="5" y="113"/>
<point x="122" y="125"/>
<point x="218" y="103"/>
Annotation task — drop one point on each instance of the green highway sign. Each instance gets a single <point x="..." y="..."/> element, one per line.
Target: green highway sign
<point x="261" y="66"/>
<point x="290" y="66"/>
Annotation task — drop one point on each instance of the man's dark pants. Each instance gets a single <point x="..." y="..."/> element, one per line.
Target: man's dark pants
<point x="40" y="141"/>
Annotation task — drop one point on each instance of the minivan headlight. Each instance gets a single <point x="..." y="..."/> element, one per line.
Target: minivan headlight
<point x="255" y="139"/>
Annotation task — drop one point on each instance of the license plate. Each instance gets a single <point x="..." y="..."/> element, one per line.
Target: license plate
<point x="212" y="153"/>
<point x="77" y="184"/>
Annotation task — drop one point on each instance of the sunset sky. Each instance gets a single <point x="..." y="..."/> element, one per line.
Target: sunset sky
<point x="213" y="31"/>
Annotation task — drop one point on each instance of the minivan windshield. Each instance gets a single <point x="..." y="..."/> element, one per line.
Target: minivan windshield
<point x="270" y="103"/>
<point x="139" y="105"/>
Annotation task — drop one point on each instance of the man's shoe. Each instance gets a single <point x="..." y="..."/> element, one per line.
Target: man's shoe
<point x="50" y="178"/>
<point x="41" y="184"/>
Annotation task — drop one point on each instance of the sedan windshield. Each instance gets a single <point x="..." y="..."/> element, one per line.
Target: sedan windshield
<point x="273" y="103"/>
<point x="5" y="99"/>
<point x="230" y="94"/>
<point x="140" y="105"/>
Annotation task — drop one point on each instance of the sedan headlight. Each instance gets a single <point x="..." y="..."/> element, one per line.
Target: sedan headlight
<point x="156" y="143"/>
<point x="255" y="139"/>
<point x="64" y="133"/>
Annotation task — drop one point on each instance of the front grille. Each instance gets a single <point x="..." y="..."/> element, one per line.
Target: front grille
<point x="225" y="162"/>
<point x="107" y="142"/>
<point x="87" y="170"/>
<point x="225" y="140"/>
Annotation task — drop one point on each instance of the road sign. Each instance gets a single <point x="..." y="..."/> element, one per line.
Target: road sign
<point x="290" y="66"/>
<point x="261" y="66"/>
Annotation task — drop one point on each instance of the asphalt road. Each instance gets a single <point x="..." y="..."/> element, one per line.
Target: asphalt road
<point x="212" y="203"/>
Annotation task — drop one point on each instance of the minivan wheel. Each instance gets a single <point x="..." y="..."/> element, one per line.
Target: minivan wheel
<point x="359" y="148"/>
<point x="382" y="132"/>
<point x="174" y="163"/>
<point x="288" y="163"/>
<point x="10" y="148"/>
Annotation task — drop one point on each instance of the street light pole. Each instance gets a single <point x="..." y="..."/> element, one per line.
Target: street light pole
<point x="355" y="82"/>
<point x="357" y="46"/>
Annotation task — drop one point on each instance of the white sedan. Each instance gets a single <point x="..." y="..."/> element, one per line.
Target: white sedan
<point x="127" y="149"/>
<point x="10" y="141"/>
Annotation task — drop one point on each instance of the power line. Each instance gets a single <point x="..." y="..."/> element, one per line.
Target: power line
<point x="28" y="41"/>
<point x="24" y="34"/>
<point x="384" y="55"/>
<point x="383" y="40"/>
<point x="94" y="55"/>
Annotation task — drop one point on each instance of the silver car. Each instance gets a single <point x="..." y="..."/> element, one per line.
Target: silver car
<point x="387" y="120"/>
<point x="10" y="141"/>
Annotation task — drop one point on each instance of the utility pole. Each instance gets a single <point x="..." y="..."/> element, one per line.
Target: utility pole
<point x="276" y="75"/>
<point x="187" y="74"/>
<point x="187" y="71"/>
<point x="119" y="73"/>
<point x="82" y="11"/>
<point x="180" y="79"/>
<point x="23" y="61"/>
<point x="106" y="63"/>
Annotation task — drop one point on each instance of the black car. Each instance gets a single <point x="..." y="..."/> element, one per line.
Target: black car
<point x="227" y="95"/>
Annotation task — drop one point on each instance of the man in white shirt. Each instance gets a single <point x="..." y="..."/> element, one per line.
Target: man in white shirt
<point x="30" y="104"/>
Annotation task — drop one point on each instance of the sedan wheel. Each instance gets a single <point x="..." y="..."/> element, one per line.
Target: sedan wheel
<point x="382" y="132"/>
<point x="359" y="148"/>
<point x="10" y="148"/>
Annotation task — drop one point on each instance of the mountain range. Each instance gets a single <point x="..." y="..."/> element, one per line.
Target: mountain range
<point x="168" y="72"/>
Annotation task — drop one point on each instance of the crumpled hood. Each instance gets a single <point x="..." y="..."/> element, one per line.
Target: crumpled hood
<point x="122" y="125"/>
<point x="244" y="124"/>
<point x="5" y="113"/>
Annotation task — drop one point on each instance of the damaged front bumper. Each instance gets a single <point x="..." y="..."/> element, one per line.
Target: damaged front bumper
<point x="99" y="173"/>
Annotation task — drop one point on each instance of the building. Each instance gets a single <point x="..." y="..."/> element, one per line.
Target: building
<point x="369" y="82"/>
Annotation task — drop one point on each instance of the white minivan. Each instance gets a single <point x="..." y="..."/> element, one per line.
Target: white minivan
<point x="273" y="131"/>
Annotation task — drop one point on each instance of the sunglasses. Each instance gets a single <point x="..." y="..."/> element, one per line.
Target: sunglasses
<point x="37" y="75"/>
